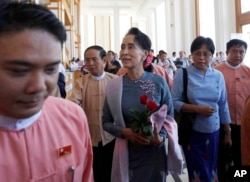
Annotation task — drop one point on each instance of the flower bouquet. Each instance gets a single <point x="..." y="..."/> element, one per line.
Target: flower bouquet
<point x="140" y="120"/>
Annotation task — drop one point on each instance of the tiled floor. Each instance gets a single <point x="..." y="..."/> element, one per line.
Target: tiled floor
<point x="181" y="178"/>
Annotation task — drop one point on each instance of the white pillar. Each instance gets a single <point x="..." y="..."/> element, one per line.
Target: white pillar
<point x="156" y="32"/>
<point x="225" y="22"/>
<point x="170" y="44"/>
<point x="117" y="41"/>
<point x="182" y="24"/>
<point x="151" y="29"/>
<point x="188" y="24"/>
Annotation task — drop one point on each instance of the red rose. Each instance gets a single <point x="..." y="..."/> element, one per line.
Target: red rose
<point x="140" y="120"/>
<point x="144" y="99"/>
<point x="151" y="105"/>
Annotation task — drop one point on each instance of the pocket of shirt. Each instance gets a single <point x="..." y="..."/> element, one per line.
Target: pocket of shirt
<point x="69" y="174"/>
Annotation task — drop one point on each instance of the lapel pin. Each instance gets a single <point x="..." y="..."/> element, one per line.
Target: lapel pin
<point x="64" y="151"/>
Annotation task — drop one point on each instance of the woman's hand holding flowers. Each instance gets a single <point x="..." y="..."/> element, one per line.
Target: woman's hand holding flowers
<point x="140" y="139"/>
<point x="136" y="137"/>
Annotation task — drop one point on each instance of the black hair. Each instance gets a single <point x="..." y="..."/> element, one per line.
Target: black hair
<point x="162" y="52"/>
<point x="16" y="16"/>
<point x="149" y="68"/>
<point x="236" y="42"/>
<point x="112" y="52"/>
<point x="140" y="38"/>
<point x="199" y="41"/>
<point x="99" y="48"/>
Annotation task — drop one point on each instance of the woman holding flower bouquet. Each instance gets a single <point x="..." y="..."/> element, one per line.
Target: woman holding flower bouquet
<point x="130" y="100"/>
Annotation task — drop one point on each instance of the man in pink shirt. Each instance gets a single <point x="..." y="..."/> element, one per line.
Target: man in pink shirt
<point x="237" y="78"/>
<point x="245" y="137"/>
<point x="42" y="138"/>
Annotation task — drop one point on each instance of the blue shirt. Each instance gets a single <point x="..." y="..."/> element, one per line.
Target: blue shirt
<point x="208" y="89"/>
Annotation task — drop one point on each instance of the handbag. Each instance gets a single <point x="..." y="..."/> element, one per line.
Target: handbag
<point x="184" y="120"/>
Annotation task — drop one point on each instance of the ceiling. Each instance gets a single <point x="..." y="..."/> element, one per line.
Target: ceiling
<point x="127" y="7"/>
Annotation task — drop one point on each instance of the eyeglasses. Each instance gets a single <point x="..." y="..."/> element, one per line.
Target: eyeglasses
<point x="199" y="54"/>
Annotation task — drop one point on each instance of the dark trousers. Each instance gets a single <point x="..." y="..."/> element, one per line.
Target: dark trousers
<point x="102" y="163"/>
<point x="229" y="158"/>
<point x="236" y="144"/>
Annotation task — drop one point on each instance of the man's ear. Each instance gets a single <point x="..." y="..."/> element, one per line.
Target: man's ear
<point x="104" y="61"/>
<point x="146" y="53"/>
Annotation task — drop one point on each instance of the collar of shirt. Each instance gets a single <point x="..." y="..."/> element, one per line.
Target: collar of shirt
<point x="99" y="77"/>
<point x="18" y="124"/>
<point x="233" y="67"/>
<point x="192" y="67"/>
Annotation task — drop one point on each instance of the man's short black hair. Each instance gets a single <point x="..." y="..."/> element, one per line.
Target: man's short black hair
<point x="16" y="16"/>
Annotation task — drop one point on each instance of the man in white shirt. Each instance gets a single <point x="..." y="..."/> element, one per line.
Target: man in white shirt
<point x="182" y="62"/>
<point x="167" y="64"/>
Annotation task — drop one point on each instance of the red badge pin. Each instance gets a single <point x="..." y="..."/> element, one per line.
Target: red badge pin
<point x="64" y="151"/>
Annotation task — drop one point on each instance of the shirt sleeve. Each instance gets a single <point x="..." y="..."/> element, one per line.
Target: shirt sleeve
<point x="76" y="95"/>
<point x="108" y="121"/>
<point x="177" y="90"/>
<point x="167" y="99"/>
<point x="223" y="104"/>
